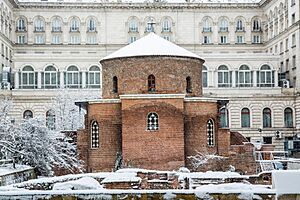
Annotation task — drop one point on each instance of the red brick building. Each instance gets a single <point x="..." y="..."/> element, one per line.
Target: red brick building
<point x="152" y="114"/>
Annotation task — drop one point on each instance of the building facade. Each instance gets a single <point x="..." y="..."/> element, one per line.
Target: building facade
<point x="251" y="51"/>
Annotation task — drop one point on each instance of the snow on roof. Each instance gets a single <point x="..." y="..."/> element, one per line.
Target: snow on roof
<point x="286" y="181"/>
<point x="118" y="178"/>
<point x="151" y="45"/>
<point x="210" y="175"/>
<point x="84" y="183"/>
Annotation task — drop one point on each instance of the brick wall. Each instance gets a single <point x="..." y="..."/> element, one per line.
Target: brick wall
<point x="170" y="75"/>
<point x="162" y="149"/>
<point x="108" y="116"/>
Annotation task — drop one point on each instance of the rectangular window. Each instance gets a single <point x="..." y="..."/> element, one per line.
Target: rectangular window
<point x="287" y="65"/>
<point x="294" y="62"/>
<point x="91" y="39"/>
<point x="293" y="2"/>
<point x="223" y="39"/>
<point x="56" y="39"/>
<point x="75" y="39"/>
<point x="281" y="47"/>
<point x="256" y="39"/>
<point x="239" y="39"/>
<point x="166" y="37"/>
<point x="276" y="49"/>
<point x="287" y="44"/>
<point x="206" y="40"/>
<point x="293" y="40"/>
<point x="132" y="39"/>
<point x="293" y="18"/>
<point x="267" y="140"/>
<point x="21" y="39"/>
<point x="39" y="39"/>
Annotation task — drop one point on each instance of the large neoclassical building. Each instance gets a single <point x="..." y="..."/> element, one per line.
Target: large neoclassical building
<point x="251" y="49"/>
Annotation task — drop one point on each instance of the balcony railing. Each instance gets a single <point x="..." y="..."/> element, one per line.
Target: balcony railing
<point x="21" y="29"/>
<point x="91" y="30"/>
<point x="133" y="30"/>
<point x="240" y="29"/>
<point x="39" y="29"/>
<point x="206" y="30"/>
<point x="223" y="29"/>
<point x="166" y="29"/>
<point x="56" y="29"/>
<point x="256" y="29"/>
<point x="74" y="29"/>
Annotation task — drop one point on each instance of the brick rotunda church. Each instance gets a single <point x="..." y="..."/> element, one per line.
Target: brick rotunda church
<point x="152" y="114"/>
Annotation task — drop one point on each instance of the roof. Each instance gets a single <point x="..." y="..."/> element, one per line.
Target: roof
<point x="151" y="45"/>
<point x="146" y="1"/>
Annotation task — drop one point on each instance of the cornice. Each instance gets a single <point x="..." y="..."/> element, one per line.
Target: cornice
<point x="57" y="5"/>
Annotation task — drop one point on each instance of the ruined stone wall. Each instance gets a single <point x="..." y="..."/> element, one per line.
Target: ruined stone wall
<point x="162" y="149"/>
<point x="170" y="75"/>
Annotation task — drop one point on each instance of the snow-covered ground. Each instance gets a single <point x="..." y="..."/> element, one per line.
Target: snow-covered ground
<point x="8" y="169"/>
<point x="284" y="182"/>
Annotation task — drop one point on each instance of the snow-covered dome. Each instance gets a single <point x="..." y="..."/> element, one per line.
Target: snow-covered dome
<point x="151" y="45"/>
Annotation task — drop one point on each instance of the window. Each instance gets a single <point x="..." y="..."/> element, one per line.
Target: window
<point x="74" y="25"/>
<point x="244" y="76"/>
<point x="204" y="77"/>
<point x="223" y="24"/>
<point x="224" y="118"/>
<point x="188" y="85"/>
<point x="294" y="62"/>
<point x="206" y="39"/>
<point x="133" y="26"/>
<point x="56" y="39"/>
<point x="207" y="26"/>
<point x="281" y="47"/>
<point x="91" y="25"/>
<point x="21" y="25"/>
<point x="132" y="39"/>
<point x="115" y="84"/>
<point x="288" y="118"/>
<point x="50" y="119"/>
<point x="267" y="118"/>
<point x="93" y="77"/>
<point x="167" y="37"/>
<point x="166" y="26"/>
<point x="39" y="25"/>
<point x="265" y="77"/>
<point x="293" y="18"/>
<point x="151" y="83"/>
<point x="50" y="78"/>
<point x="256" y="39"/>
<point x="223" y="39"/>
<point x="39" y="39"/>
<point x="240" y="26"/>
<point x="224" y="76"/>
<point x="245" y="117"/>
<point x="91" y="39"/>
<point x="256" y="25"/>
<point x="75" y="39"/>
<point x="21" y="39"/>
<point x="210" y="133"/>
<point x="267" y="140"/>
<point x="94" y="135"/>
<point x="152" y="123"/>
<point x="240" y="39"/>
<point x="56" y="25"/>
<point x="28" y="78"/>
<point x="293" y="40"/>
<point x="27" y="114"/>
<point x="287" y="44"/>
<point x="72" y="77"/>
<point x="150" y="25"/>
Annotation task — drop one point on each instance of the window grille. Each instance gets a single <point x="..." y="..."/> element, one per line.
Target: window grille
<point x="152" y="122"/>
<point x="210" y="133"/>
<point x="95" y="135"/>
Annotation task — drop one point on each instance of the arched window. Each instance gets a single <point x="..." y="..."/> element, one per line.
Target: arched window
<point x="91" y="25"/>
<point x="166" y="26"/>
<point x="74" y="26"/>
<point x="72" y="77"/>
<point x="94" y="135"/>
<point x="21" y="26"/>
<point x="207" y="25"/>
<point x="150" y="25"/>
<point x="224" y="76"/>
<point x="39" y="25"/>
<point x="27" y="114"/>
<point x="245" y="117"/>
<point x="50" y="119"/>
<point x="151" y="83"/>
<point x="240" y="25"/>
<point x="93" y="78"/>
<point x="204" y="77"/>
<point x="244" y="76"/>
<point x="152" y="122"/>
<point x="267" y="118"/>
<point x="223" y="117"/>
<point x="256" y="25"/>
<point x="188" y="85"/>
<point x="28" y="78"/>
<point x="56" y="25"/>
<point x="288" y="118"/>
<point x="50" y="78"/>
<point x="265" y="76"/>
<point x="223" y="25"/>
<point x="115" y="84"/>
<point x="133" y="25"/>
<point x="210" y="133"/>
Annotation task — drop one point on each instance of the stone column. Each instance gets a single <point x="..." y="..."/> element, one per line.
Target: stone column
<point x="254" y="78"/>
<point x="17" y="80"/>
<point x="83" y="79"/>
<point x="62" y="85"/>
<point x="39" y="80"/>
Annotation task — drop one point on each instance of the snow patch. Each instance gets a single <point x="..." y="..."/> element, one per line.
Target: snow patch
<point x="117" y="178"/>
<point x="286" y="181"/>
<point x="8" y="169"/>
<point x="85" y="183"/>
